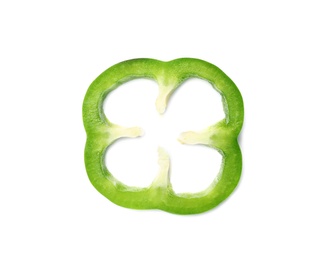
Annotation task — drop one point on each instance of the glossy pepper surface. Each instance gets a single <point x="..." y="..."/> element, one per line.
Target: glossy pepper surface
<point x="222" y="136"/>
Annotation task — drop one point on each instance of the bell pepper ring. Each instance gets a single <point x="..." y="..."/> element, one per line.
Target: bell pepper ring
<point x="222" y="136"/>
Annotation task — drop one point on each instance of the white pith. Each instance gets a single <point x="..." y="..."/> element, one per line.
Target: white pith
<point x="191" y="137"/>
<point x="162" y="98"/>
<point x="129" y="132"/>
<point x="162" y="178"/>
<point x="163" y="132"/>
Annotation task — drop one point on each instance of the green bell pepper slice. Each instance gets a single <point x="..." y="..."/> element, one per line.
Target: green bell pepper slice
<point x="222" y="136"/>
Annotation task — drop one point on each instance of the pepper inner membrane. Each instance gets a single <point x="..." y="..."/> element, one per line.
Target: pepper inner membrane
<point x="194" y="106"/>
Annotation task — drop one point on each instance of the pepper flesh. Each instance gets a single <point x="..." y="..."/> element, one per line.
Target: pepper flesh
<point x="222" y="136"/>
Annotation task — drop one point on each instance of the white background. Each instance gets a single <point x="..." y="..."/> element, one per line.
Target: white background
<point x="279" y="53"/>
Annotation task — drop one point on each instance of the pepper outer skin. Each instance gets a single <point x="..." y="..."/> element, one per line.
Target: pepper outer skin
<point x="222" y="136"/>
